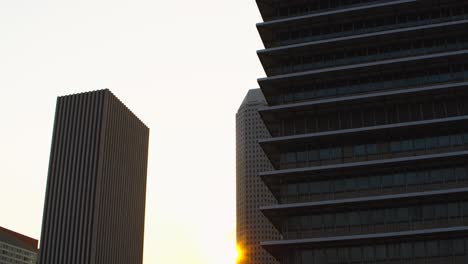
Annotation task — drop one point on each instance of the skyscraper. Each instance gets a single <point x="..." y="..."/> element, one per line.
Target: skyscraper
<point x="368" y="112"/>
<point x="16" y="248"/>
<point x="252" y="226"/>
<point x="94" y="210"/>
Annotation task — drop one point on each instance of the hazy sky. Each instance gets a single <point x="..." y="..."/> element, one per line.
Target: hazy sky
<point x="182" y="66"/>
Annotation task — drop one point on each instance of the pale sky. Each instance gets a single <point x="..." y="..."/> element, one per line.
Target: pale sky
<point x="183" y="67"/>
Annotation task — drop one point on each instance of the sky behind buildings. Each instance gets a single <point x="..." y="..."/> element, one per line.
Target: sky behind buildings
<point x="183" y="67"/>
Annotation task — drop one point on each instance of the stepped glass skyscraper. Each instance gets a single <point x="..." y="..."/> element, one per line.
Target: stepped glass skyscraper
<point x="251" y="192"/>
<point x="368" y="112"/>
<point x="94" y="210"/>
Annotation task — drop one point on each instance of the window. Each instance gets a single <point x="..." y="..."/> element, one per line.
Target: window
<point x="464" y="208"/>
<point x="350" y="184"/>
<point x="399" y="179"/>
<point x="431" y="142"/>
<point x="354" y="219"/>
<point x="420" y="144"/>
<point x="441" y="211"/>
<point x="290" y="157"/>
<point x="315" y="188"/>
<point x="340" y="186"/>
<point x="371" y="149"/>
<point x="363" y="183"/>
<point x="437" y="176"/>
<point x="419" y="250"/>
<point x="394" y="251"/>
<point x="411" y="178"/>
<point x="375" y="182"/>
<point x="313" y="155"/>
<point x="459" y="247"/>
<point x="369" y="254"/>
<point x="378" y="217"/>
<point x="445" y="249"/>
<point x="453" y="210"/>
<point x="432" y="248"/>
<point x="302" y="156"/>
<point x="428" y="212"/>
<point x="407" y="145"/>
<point x="316" y="221"/>
<point x="461" y="174"/>
<point x="416" y="214"/>
<point x="325" y="186"/>
<point x="406" y="250"/>
<point x="403" y="214"/>
<point x="303" y="188"/>
<point x="359" y="150"/>
<point x="444" y="141"/>
<point x="341" y="220"/>
<point x="329" y="220"/>
<point x="456" y="140"/>
<point x="324" y="154"/>
<point x="292" y="189"/>
<point x="381" y="252"/>
<point x="395" y="146"/>
<point x="307" y="256"/>
<point x="387" y="180"/>
<point x="356" y="254"/>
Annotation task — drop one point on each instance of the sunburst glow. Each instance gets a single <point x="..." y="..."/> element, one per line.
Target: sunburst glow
<point x="239" y="254"/>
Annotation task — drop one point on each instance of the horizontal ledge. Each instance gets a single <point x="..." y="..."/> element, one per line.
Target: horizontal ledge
<point x="333" y="12"/>
<point x="279" y="140"/>
<point x="363" y="65"/>
<point x="365" y="237"/>
<point x="360" y="97"/>
<point x="362" y="164"/>
<point x="374" y="34"/>
<point x="363" y="199"/>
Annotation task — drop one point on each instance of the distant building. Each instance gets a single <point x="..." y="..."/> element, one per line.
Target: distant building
<point x="16" y="248"/>
<point x="94" y="210"/>
<point x="252" y="226"/>
<point x="368" y="113"/>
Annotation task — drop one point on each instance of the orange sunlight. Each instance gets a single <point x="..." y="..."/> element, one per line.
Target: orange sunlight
<point x="239" y="254"/>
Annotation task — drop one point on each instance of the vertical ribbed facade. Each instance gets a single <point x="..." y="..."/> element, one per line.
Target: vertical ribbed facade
<point x="251" y="193"/>
<point x="95" y="198"/>
<point x="368" y="116"/>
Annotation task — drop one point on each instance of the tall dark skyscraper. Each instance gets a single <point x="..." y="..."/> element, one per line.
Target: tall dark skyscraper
<point x="94" y="209"/>
<point x="368" y="112"/>
<point x="252" y="226"/>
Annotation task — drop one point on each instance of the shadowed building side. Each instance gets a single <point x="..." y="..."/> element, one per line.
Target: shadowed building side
<point x="252" y="226"/>
<point x="95" y="199"/>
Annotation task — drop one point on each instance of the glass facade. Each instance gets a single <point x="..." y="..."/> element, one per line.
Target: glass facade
<point x="325" y="155"/>
<point x="376" y="220"/>
<point x="449" y="251"/>
<point x="376" y="22"/>
<point x="310" y="7"/>
<point x="374" y="184"/>
<point x="382" y="50"/>
<point x="369" y="81"/>
<point x="391" y="112"/>
<point x="386" y="80"/>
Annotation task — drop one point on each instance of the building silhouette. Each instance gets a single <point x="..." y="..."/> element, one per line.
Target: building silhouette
<point x="368" y="112"/>
<point x="16" y="248"/>
<point x="94" y="210"/>
<point x="252" y="226"/>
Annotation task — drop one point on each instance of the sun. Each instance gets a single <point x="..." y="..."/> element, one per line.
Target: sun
<point x="239" y="254"/>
